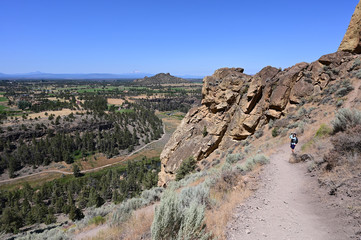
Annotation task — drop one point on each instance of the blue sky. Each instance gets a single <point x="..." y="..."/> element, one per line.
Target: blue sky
<point x="180" y="37"/>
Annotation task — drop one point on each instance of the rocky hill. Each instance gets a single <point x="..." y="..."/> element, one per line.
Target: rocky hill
<point x="236" y="105"/>
<point x="160" y="78"/>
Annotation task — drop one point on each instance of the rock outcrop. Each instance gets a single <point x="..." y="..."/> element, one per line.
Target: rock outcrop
<point x="352" y="39"/>
<point x="235" y="105"/>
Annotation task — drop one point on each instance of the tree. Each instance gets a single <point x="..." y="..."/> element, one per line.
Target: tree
<point x="11" y="221"/>
<point x="76" y="170"/>
<point x="186" y="167"/>
<point x="75" y="214"/>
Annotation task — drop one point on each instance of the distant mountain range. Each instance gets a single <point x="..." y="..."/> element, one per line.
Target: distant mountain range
<point x="69" y="76"/>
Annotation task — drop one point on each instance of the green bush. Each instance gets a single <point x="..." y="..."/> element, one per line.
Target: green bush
<point x="324" y="130"/>
<point x="275" y="132"/>
<point x="205" y="132"/>
<point x="186" y="167"/>
<point x="346" y="118"/>
<point x="97" y="220"/>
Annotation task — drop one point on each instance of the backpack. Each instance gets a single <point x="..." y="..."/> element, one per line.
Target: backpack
<point x="296" y="140"/>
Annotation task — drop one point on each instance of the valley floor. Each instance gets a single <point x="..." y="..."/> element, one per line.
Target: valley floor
<point x="287" y="205"/>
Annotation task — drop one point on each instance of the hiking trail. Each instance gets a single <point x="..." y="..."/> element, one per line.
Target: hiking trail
<point x="286" y="205"/>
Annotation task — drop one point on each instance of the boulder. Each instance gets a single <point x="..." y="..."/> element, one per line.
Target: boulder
<point x="300" y="90"/>
<point x="296" y="158"/>
<point x="335" y="58"/>
<point x="273" y="113"/>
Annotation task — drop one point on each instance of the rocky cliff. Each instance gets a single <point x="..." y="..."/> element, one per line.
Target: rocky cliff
<point x="235" y="105"/>
<point x="351" y="41"/>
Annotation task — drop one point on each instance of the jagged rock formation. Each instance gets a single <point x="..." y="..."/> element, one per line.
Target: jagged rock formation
<point x="352" y="39"/>
<point x="161" y="78"/>
<point x="235" y="105"/>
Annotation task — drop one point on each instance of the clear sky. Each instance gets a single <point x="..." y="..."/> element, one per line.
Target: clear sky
<point x="181" y="37"/>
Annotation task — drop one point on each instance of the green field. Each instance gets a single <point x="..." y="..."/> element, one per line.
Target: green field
<point x="97" y="89"/>
<point x="2" y="107"/>
<point x="3" y="99"/>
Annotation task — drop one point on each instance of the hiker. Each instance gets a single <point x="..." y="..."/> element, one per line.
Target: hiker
<point x="294" y="141"/>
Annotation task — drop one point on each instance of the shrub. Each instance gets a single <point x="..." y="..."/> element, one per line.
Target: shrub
<point x="153" y="194"/>
<point x="358" y="74"/>
<point x="125" y="210"/>
<point x="198" y="194"/>
<point x="179" y="217"/>
<point x="258" y="134"/>
<point x="348" y="141"/>
<point x="343" y="91"/>
<point x="275" y="132"/>
<point x="356" y="63"/>
<point x="252" y="161"/>
<point x="186" y="167"/>
<point x="205" y="132"/>
<point x="233" y="158"/>
<point x="192" y="226"/>
<point x="346" y="118"/>
<point x="339" y="103"/>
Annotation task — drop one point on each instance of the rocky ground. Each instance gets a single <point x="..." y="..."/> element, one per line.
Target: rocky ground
<point x="288" y="205"/>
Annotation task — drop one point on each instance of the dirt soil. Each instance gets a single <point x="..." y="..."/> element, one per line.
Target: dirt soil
<point x="287" y="205"/>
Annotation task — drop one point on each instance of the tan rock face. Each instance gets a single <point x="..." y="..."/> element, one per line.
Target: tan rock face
<point x="352" y="39"/>
<point x="235" y="105"/>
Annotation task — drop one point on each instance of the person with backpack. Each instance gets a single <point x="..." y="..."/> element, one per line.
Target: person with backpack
<point x="294" y="141"/>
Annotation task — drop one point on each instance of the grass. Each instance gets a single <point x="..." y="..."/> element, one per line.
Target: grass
<point x="3" y="99"/>
<point x="97" y="220"/>
<point x="2" y="107"/>
<point x="323" y="131"/>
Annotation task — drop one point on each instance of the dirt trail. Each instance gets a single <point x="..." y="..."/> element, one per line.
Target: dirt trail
<point x="287" y="205"/>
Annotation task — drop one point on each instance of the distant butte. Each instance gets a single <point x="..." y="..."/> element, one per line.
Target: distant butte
<point x="160" y="78"/>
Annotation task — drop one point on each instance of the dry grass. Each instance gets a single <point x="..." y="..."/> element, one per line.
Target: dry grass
<point x="137" y="227"/>
<point x="115" y="101"/>
<point x="57" y="99"/>
<point x="34" y="181"/>
<point x="63" y="112"/>
<point x="228" y="192"/>
<point x="216" y="219"/>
